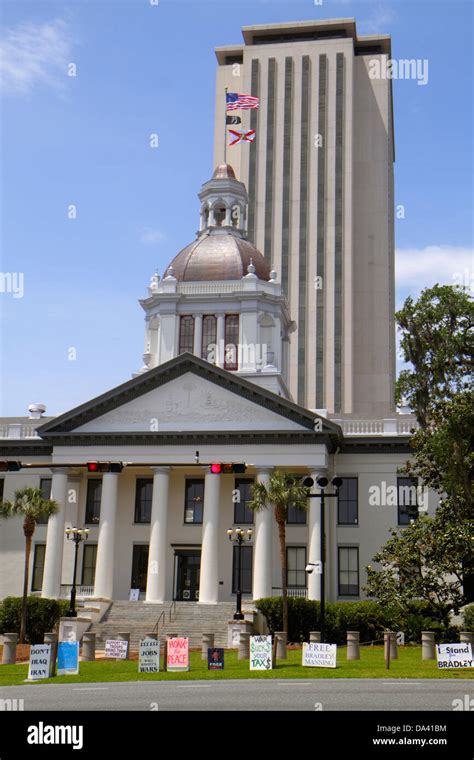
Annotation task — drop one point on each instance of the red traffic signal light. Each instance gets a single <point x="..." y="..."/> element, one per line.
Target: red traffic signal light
<point x="10" y="466"/>
<point x="218" y="468"/>
<point x="104" y="466"/>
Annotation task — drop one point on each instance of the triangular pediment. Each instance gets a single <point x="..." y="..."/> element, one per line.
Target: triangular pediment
<point x="182" y="395"/>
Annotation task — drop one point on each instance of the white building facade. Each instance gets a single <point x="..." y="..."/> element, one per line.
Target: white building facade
<point x="213" y="388"/>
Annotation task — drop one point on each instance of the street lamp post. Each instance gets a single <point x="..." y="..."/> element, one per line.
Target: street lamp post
<point x="322" y="483"/>
<point x="77" y="535"/>
<point x="237" y="536"/>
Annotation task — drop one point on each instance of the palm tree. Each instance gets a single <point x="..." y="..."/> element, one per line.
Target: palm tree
<point x="282" y="491"/>
<point x="31" y="504"/>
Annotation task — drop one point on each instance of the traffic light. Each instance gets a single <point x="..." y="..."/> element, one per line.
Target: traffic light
<point x="104" y="466"/>
<point x="10" y="466"/>
<point x="223" y="468"/>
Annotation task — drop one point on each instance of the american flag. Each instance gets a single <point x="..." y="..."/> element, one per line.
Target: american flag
<point x="236" y="101"/>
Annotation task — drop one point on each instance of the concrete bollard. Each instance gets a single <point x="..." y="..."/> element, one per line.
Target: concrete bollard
<point x="125" y="636"/>
<point x="427" y="645"/>
<point x="244" y="646"/>
<point x="52" y="638"/>
<point x="315" y="637"/>
<point x="467" y="637"/>
<point x="353" y="645"/>
<point x="390" y="640"/>
<point x="10" y="640"/>
<point x="281" y="645"/>
<point x="88" y="647"/>
<point x="207" y="643"/>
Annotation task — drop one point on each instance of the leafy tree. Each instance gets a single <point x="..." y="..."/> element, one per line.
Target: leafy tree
<point x="432" y="559"/>
<point x="282" y="491"/>
<point x="32" y="506"/>
<point x="437" y="340"/>
<point x="423" y="561"/>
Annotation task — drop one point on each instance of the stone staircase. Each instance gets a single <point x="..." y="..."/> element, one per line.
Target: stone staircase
<point x="187" y="619"/>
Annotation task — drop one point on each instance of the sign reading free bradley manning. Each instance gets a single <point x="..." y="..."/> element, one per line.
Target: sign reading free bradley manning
<point x="319" y="655"/>
<point x="40" y="662"/>
<point x="260" y="653"/>
<point x="454" y="656"/>
<point x="149" y="656"/>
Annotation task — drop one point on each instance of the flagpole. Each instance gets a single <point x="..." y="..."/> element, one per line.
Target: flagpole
<point x="225" y="125"/>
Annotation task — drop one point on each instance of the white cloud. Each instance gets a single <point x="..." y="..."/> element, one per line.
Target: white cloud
<point x="381" y="17"/>
<point x="151" y="236"/>
<point x="418" y="268"/>
<point x="32" y="54"/>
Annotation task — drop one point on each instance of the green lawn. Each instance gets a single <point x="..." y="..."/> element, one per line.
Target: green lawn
<point x="371" y="665"/>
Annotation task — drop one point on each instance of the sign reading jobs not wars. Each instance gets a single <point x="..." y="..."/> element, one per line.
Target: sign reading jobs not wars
<point x="149" y="656"/>
<point x="319" y="655"/>
<point x="260" y="653"/>
<point x="40" y="662"/>
<point x="454" y="656"/>
<point x="178" y="654"/>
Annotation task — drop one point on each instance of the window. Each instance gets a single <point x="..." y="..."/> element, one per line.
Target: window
<point x="45" y="488"/>
<point x="407" y="500"/>
<point x="88" y="564"/>
<point x="94" y="494"/>
<point x="231" y="341"/>
<point x="295" y="566"/>
<point x="38" y="567"/>
<point x="2" y="488"/>
<point x="296" y="516"/>
<point x="347" y="503"/>
<point x="186" y="335"/>
<point x="143" y="496"/>
<point x="242" y="514"/>
<point x="246" y="569"/>
<point x="209" y="337"/>
<point x="194" y="501"/>
<point x="139" y="566"/>
<point x="348" y="570"/>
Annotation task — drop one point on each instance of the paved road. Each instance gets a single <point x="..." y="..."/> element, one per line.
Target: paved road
<point x="331" y="694"/>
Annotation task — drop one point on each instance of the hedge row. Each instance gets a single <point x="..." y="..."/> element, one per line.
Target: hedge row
<point x="42" y="616"/>
<point x="369" y="618"/>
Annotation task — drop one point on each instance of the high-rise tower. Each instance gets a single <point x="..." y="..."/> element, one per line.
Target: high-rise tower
<point x="320" y="185"/>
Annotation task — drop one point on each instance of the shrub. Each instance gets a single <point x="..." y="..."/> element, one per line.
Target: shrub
<point x="304" y="616"/>
<point x="468" y="618"/>
<point x="367" y="617"/>
<point x="42" y="616"/>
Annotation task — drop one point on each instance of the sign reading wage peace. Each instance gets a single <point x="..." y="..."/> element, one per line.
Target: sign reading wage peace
<point x="260" y="653"/>
<point x="319" y="655"/>
<point x="454" y="656"/>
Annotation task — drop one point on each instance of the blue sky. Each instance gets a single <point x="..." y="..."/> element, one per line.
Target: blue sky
<point x="84" y="140"/>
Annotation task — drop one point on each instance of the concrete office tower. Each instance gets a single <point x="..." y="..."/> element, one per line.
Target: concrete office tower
<point x="320" y="185"/>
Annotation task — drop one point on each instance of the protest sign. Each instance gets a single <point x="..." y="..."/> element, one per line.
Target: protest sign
<point x="215" y="659"/>
<point x="260" y="653"/>
<point x="116" y="648"/>
<point x="68" y="658"/>
<point x="149" y="656"/>
<point x="178" y="654"/>
<point x="40" y="662"/>
<point x="319" y="655"/>
<point x="454" y="656"/>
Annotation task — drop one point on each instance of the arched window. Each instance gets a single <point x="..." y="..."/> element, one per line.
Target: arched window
<point x="209" y="338"/>
<point x="231" y="361"/>
<point x="186" y="334"/>
<point x="219" y="215"/>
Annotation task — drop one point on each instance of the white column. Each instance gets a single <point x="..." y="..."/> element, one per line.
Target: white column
<point x="220" y="339"/>
<point x="314" y="542"/>
<point x="262" y="549"/>
<point x="197" y="348"/>
<point x="104" y="573"/>
<point x="156" y="578"/>
<point x="209" y="582"/>
<point x="53" y="561"/>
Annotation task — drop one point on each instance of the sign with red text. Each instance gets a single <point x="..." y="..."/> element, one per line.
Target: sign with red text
<point x="178" y="654"/>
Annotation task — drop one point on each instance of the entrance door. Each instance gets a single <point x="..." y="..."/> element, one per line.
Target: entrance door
<point x="187" y="576"/>
<point x="139" y="566"/>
